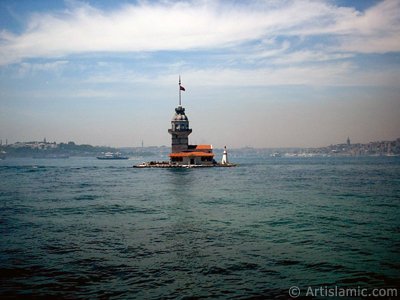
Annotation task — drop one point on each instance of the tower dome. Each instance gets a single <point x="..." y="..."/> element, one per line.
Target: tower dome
<point x="180" y="121"/>
<point x="180" y="117"/>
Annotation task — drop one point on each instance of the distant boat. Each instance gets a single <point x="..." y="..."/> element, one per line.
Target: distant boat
<point x="111" y="155"/>
<point x="2" y="155"/>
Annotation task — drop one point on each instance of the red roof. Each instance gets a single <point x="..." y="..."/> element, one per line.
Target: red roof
<point x="191" y="154"/>
<point x="203" y="147"/>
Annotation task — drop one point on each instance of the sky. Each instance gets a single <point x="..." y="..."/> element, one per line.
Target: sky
<point x="256" y="73"/>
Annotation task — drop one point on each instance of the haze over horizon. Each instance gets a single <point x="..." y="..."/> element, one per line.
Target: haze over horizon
<point x="259" y="73"/>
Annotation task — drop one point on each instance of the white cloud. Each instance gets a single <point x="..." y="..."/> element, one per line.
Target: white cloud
<point x="304" y="75"/>
<point x="307" y="56"/>
<point x="54" y="66"/>
<point x="330" y="73"/>
<point x="375" y="31"/>
<point x="200" y="24"/>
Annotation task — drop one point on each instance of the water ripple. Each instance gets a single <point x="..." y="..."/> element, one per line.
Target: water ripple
<point x="84" y="229"/>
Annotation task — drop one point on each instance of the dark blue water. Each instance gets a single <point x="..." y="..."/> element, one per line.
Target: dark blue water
<point x="85" y="228"/>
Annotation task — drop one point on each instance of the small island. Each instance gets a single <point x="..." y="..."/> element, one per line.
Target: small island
<point x="184" y="155"/>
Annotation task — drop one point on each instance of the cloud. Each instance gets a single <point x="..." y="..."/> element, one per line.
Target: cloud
<point x="177" y="26"/>
<point x="307" y="56"/>
<point x="25" y="68"/>
<point x="375" y="31"/>
<point x="296" y="75"/>
<point x="325" y="73"/>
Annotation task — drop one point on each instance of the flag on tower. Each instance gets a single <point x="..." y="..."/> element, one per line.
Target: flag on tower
<point x="181" y="88"/>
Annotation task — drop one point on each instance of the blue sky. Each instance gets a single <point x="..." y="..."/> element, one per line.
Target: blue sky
<point x="256" y="73"/>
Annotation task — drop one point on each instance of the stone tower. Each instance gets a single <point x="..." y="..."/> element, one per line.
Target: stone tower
<point x="180" y="126"/>
<point x="181" y="152"/>
<point x="180" y="131"/>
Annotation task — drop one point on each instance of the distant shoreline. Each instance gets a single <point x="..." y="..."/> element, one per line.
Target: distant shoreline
<point x="45" y="149"/>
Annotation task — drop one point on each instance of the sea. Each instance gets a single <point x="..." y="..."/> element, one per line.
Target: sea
<point x="270" y="228"/>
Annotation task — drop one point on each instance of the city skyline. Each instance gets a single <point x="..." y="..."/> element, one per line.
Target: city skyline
<point x="259" y="74"/>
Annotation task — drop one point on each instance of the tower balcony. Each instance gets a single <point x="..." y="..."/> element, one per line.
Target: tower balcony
<point x="180" y="131"/>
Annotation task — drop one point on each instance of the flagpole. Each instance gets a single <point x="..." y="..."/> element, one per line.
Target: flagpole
<point x="180" y="102"/>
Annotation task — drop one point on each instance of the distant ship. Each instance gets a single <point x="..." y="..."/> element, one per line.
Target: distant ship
<point x="111" y="155"/>
<point x="2" y="155"/>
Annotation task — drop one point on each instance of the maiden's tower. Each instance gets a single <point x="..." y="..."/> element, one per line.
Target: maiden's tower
<point x="182" y="153"/>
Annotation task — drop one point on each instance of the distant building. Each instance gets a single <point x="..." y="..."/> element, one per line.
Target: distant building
<point x="181" y="152"/>
<point x="44" y="145"/>
<point x="348" y="141"/>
